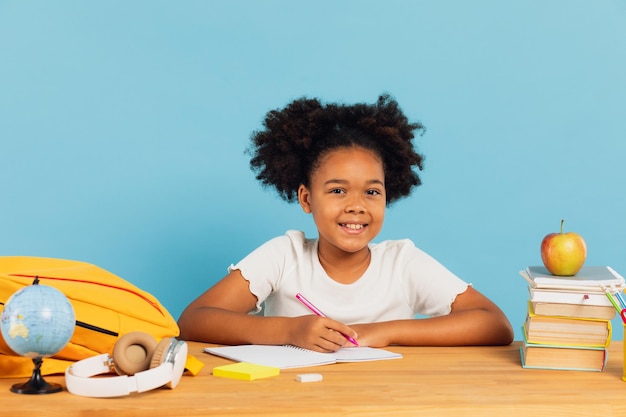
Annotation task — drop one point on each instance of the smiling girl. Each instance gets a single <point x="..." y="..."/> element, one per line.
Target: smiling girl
<point x="344" y="164"/>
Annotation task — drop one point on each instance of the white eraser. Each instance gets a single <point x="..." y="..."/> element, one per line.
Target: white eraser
<point x="309" y="377"/>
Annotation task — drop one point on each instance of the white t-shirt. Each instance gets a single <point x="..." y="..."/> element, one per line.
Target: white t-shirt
<point x="400" y="282"/>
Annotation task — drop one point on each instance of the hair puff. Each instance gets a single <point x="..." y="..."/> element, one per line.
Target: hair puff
<point x="288" y="150"/>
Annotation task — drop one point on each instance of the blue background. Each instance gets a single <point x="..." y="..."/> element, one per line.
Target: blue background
<point x="123" y="127"/>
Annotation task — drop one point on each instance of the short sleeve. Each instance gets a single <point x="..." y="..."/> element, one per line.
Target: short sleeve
<point x="431" y="287"/>
<point x="264" y="267"/>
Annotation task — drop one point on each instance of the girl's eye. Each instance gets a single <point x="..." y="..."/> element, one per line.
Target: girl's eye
<point x="373" y="192"/>
<point x="336" y="191"/>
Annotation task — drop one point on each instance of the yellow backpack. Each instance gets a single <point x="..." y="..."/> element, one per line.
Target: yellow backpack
<point x="106" y="308"/>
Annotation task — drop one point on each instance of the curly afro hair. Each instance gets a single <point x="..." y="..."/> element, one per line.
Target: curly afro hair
<point x="288" y="150"/>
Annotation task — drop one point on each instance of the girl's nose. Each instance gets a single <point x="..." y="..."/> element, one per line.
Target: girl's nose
<point x="355" y="206"/>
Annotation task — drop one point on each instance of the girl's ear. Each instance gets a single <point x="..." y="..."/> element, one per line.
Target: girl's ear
<point x="304" y="198"/>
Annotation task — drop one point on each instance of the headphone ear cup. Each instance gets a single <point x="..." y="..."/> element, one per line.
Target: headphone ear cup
<point x="159" y="352"/>
<point x="133" y="353"/>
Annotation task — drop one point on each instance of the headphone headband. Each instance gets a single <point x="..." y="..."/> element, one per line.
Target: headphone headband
<point x="79" y="382"/>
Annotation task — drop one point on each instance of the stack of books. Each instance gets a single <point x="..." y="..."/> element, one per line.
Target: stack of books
<point x="568" y="325"/>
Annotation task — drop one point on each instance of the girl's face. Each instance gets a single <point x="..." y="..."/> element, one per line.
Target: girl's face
<point x="347" y="199"/>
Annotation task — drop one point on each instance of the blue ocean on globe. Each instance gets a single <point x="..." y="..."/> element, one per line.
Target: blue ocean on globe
<point x="37" y="321"/>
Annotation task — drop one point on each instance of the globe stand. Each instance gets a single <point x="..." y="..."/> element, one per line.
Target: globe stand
<point x="36" y="384"/>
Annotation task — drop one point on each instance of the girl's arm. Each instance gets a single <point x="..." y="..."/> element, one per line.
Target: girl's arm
<point x="220" y="315"/>
<point x="474" y="320"/>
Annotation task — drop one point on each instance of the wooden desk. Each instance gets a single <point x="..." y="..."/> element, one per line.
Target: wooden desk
<point x="469" y="381"/>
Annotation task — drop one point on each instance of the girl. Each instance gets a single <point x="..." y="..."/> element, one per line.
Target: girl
<point x="343" y="165"/>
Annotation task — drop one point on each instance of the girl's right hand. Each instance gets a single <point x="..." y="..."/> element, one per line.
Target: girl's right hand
<point x="317" y="333"/>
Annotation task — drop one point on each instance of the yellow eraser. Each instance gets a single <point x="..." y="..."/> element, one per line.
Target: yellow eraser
<point x="245" y="371"/>
<point x="193" y="365"/>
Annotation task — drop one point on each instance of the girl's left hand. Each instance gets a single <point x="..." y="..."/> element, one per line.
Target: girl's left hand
<point x="371" y="334"/>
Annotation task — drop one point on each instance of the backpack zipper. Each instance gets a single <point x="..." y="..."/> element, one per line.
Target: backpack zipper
<point x="143" y="297"/>
<point x="96" y="328"/>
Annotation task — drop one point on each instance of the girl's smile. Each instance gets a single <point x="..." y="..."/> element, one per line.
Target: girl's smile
<point x="353" y="227"/>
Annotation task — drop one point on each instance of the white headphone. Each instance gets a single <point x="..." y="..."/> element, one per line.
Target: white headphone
<point x="140" y="362"/>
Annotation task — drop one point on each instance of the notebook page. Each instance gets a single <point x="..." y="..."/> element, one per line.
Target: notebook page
<point x="363" y="354"/>
<point x="282" y="357"/>
<point x="288" y="356"/>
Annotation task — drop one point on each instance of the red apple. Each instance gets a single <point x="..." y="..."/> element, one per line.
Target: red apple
<point x="563" y="254"/>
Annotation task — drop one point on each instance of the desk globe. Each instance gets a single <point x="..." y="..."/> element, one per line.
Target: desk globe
<point x="37" y="322"/>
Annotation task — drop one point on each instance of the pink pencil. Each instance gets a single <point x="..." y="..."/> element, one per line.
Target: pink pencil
<point x="317" y="311"/>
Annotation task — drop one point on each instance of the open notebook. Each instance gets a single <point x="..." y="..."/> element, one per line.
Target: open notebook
<point x="288" y="356"/>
